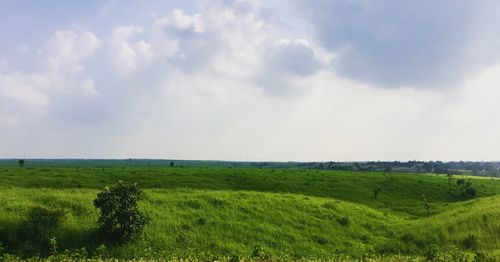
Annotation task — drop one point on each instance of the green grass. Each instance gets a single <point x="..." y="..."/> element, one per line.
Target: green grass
<point x="199" y="212"/>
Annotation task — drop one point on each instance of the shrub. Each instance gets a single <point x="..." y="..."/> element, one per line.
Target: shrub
<point x="467" y="191"/>
<point x="471" y="242"/>
<point x="320" y="240"/>
<point x="120" y="217"/>
<point x="235" y="258"/>
<point x="101" y="252"/>
<point x="432" y="253"/>
<point x="482" y="257"/>
<point x="426" y="204"/>
<point x="344" y="221"/>
<point x="407" y="237"/>
<point x="375" y="192"/>
<point x="201" y="221"/>
<point x="258" y="252"/>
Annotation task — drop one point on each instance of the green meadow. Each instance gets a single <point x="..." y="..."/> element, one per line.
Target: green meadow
<point x="249" y="213"/>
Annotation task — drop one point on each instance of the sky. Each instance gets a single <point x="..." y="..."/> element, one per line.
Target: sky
<point x="271" y="80"/>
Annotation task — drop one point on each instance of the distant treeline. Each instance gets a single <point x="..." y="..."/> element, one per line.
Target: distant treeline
<point x="438" y="167"/>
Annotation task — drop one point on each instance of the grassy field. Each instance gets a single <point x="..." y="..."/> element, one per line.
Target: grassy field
<point x="223" y="212"/>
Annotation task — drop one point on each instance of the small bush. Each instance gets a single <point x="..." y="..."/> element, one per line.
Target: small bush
<point x="344" y="221"/>
<point x="469" y="191"/>
<point x="101" y="252"/>
<point x="120" y="217"/>
<point x="201" y="221"/>
<point x="482" y="257"/>
<point x="235" y="258"/>
<point x="471" y="242"/>
<point x="432" y="253"/>
<point x="375" y="192"/>
<point x="258" y="252"/>
<point x="320" y="240"/>
<point x="408" y="237"/>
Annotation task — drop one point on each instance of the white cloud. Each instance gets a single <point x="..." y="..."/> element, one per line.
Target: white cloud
<point x="127" y="50"/>
<point x="144" y="49"/>
<point x="26" y="89"/>
<point x="66" y="49"/>
<point x="22" y="97"/>
<point x="88" y="87"/>
<point x="178" y="20"/>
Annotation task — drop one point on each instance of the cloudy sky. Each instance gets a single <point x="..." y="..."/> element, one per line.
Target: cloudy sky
<point x="340" y="80"/>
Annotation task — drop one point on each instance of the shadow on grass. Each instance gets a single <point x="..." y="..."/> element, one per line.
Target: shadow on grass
<point x="19" y="239"/>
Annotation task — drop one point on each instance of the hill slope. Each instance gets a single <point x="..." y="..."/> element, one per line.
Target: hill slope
<point x="207" y="212"/>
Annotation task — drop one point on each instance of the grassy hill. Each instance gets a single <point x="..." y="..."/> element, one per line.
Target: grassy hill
<point x="223" y="212"/>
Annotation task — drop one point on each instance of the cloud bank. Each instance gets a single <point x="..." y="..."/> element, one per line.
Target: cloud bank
<point x="238" y="80"/>
<point x="412" y="43"/>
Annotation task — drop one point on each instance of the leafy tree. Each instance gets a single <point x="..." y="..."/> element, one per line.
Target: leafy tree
<point x="172" y="164"/>
<point x="120" y="217"/>
<point x="20" y="162"/>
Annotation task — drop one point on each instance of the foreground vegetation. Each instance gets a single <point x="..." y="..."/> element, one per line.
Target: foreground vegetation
<point x="224" y="213"/>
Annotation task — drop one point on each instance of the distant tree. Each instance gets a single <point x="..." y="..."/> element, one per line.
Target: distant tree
<point x="172" y="164"/>
<point x="426" y="204"/>
<point x="375" y="192"/>
<point x="460" y="182"/>
<point x="20" y="162"/>
<point x="120" y="217"/>
<point x="427" y="166"/>
<point x="467" y="191"/>
<point x="450" y="176"/>
<point x="475" y="172"/>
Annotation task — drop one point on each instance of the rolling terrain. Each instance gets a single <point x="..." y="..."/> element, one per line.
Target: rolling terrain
<point x="223" y="213"/>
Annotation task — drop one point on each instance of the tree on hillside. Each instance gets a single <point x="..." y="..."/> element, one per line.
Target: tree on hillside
<point x="20" y="162"/>
<point x="172" y="164"/>
<point x="375" y="192"/>
<point x="467" y="191"/>
<point x="450" y="176"/>
<point x="426" y="204"/>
